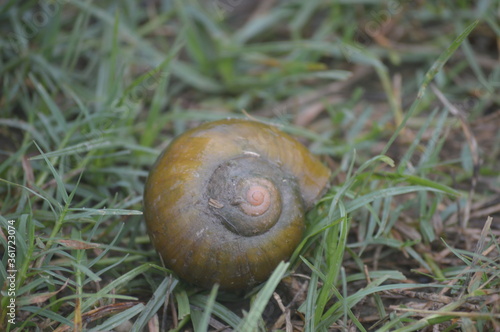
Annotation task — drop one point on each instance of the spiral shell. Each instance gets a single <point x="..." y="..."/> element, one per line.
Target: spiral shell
<point x="225" y="202"/>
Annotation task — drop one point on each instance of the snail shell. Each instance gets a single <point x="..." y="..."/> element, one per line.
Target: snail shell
<point x="225" y="202"/>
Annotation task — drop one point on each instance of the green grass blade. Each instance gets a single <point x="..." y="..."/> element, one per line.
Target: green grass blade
<point x="251" y="321"/>
<point x="429" y="76"/>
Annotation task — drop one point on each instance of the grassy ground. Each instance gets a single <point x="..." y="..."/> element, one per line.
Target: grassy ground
<point x="400" y="98"/>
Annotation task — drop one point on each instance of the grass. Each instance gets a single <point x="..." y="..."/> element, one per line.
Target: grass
<point x="399" y="98"/>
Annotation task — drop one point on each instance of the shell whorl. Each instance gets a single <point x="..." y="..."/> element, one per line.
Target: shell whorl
<point x="245" y="195"/>
<point x="258" y="194"/>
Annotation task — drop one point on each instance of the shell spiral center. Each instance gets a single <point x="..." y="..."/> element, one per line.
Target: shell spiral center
<point x="243" y="196"/>
<point x="258" y="197"/>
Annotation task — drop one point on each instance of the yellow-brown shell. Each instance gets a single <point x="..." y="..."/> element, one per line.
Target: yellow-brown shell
<point x="225" y="202"/>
